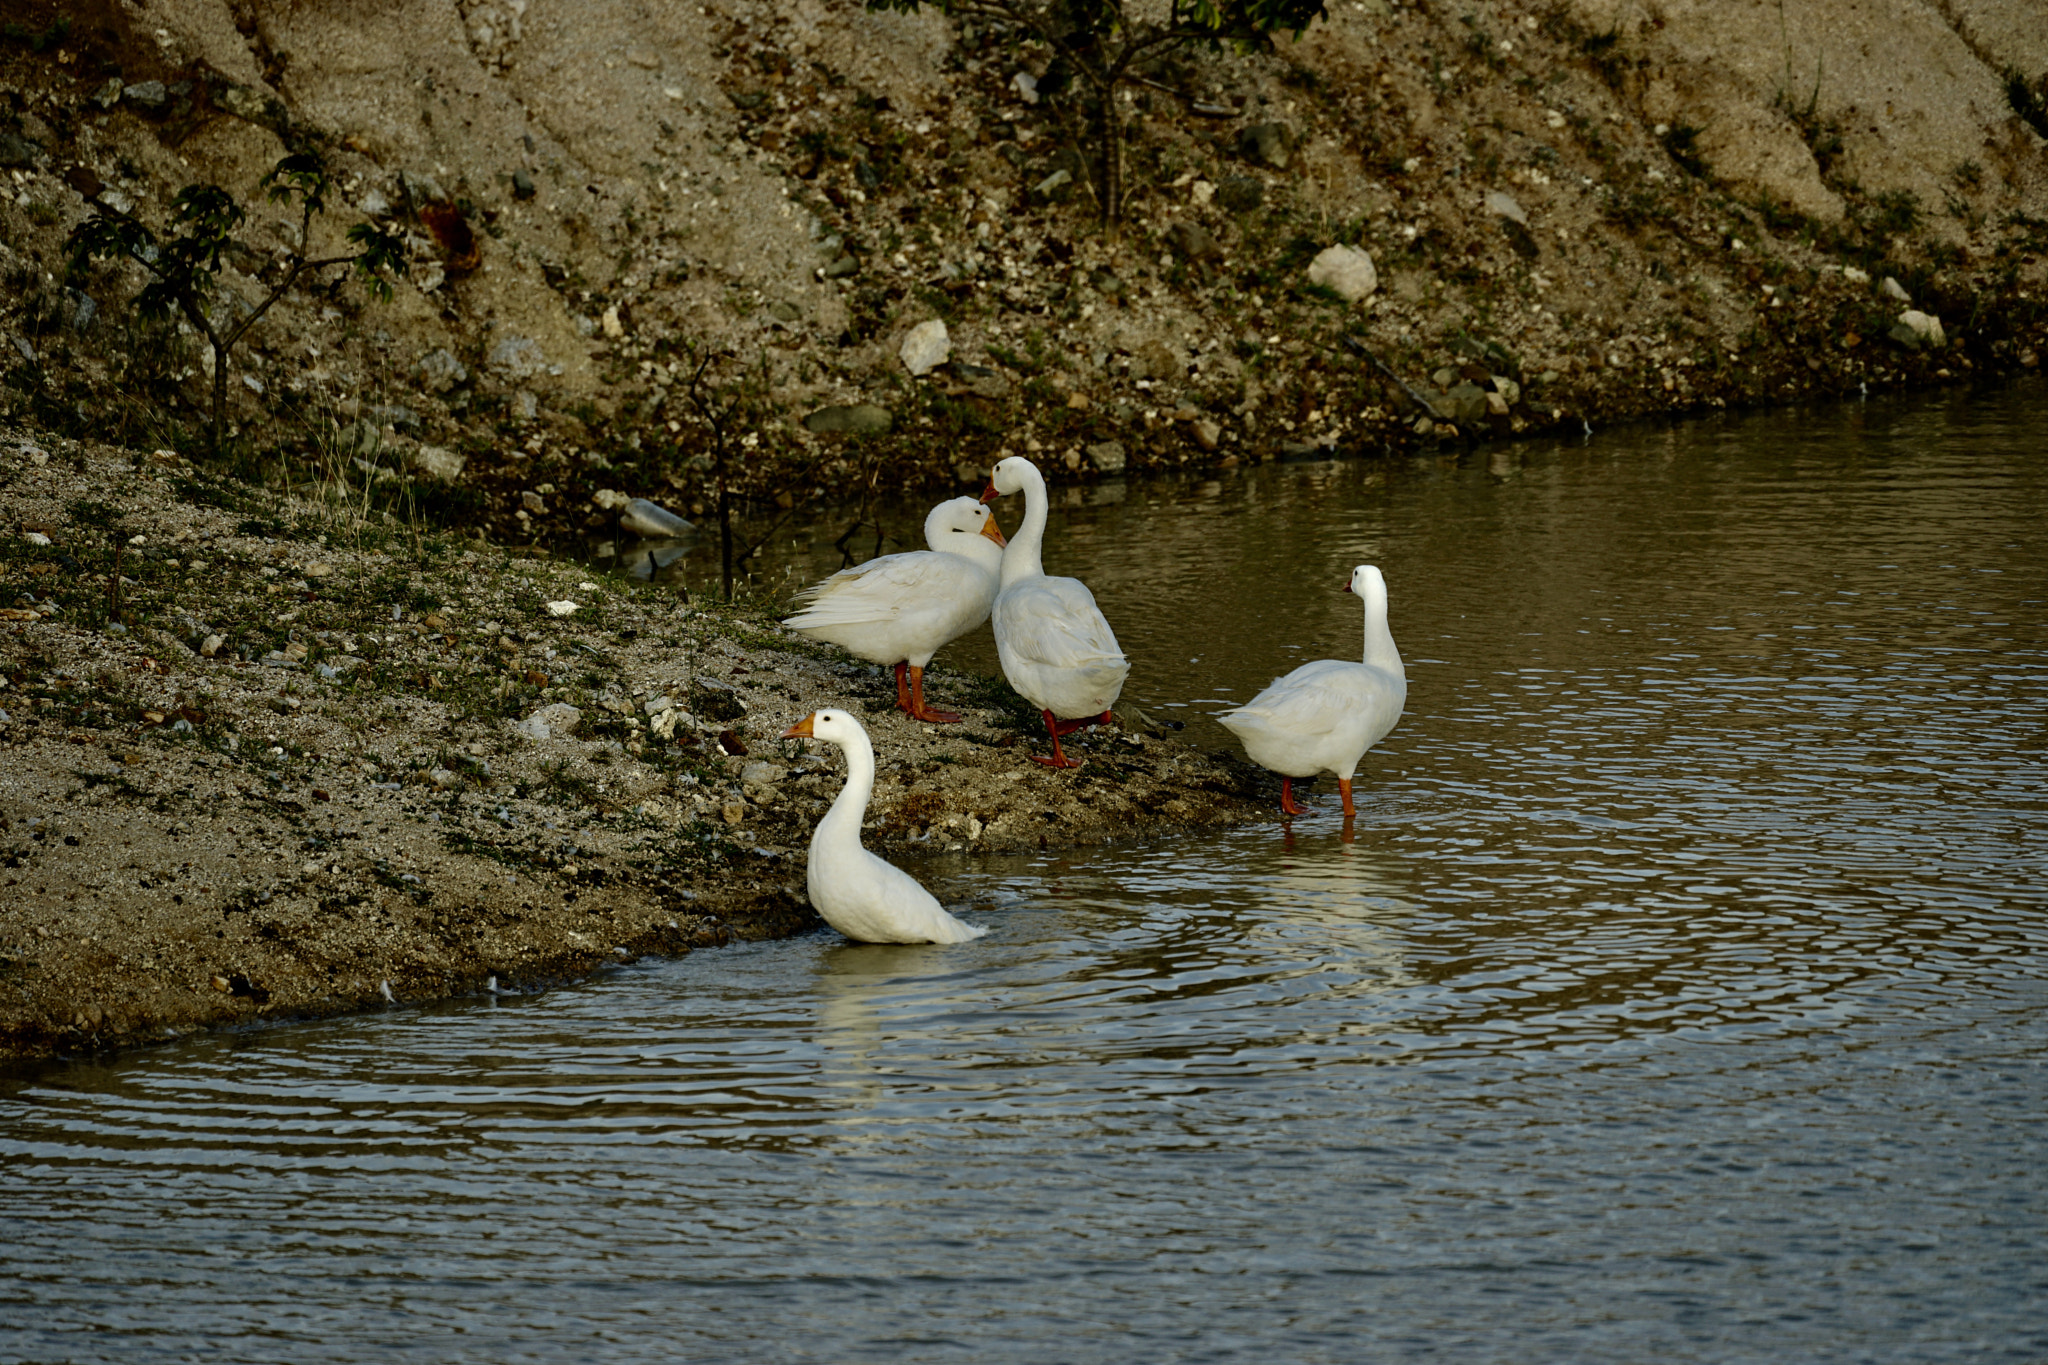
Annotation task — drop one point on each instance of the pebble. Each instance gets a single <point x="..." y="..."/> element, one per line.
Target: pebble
<point x="1267" y="144"/>
<point x="926" y="347"/>
<point x="1346" y="270"/>
<point x="1108" y="457"/>
<point x="561" y="608"/>
<point x="859" y="418"/>
<point x="437" y="462"/>
<point x="652" y="521"/>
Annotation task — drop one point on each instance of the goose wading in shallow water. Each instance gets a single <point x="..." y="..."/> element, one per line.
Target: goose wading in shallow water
<point x="1323" y="716"/>
<point x="1056" y="648"/>
<point x="860" y="895"/>
<point x="901" y="609"/>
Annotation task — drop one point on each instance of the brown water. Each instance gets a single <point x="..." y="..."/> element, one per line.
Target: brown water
<point x="1679" y="997"/>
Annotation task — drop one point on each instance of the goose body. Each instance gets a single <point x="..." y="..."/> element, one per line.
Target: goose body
<point x="864" y="897"/>
<point x="1325" y="715"/>
<point x="903" y="608"/>
<point x="1056" y="648"/>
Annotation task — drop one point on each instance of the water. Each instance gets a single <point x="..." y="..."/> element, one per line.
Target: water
<point x="1677" y="994"/>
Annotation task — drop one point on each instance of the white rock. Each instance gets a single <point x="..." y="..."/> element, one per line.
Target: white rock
<point x="1506" y="207"/>
<point x="652" y="521"/>
<point x="210" y="646"/>
<point x="561" y="608"/>
<point x="613" y="328"/>
<point x="1855" y="276"/>
<point x="1345" y="269"/>
<point x="1892" y="289"/>
<point x="549" y="721"/>
<point x="437" y="462"/>
<point x="1926" y="327"/>
<point x="36" y="538"/>
<point x="926" y="348"/>
<point x="609" y="499"/>
<point x="1026" y="86"/>
<point x="444" y="780"/>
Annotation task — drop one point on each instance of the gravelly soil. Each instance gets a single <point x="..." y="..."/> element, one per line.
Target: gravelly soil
<point x="334" y="806"/>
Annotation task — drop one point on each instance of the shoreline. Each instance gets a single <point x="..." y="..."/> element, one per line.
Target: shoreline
<point x="255" y="777"/>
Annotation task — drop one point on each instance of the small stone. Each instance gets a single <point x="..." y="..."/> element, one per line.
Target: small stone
<point x="1108" y="457"/>
<point x="210" y="646"/>
<point x="533" y="502"/>
<point x="444" y="780"/>
<point x="733" y="811"/>
<point x="1346" y="270"/>
<point x="613" y="328"/>
<point x="651" y="521"/>
<point x="1855" y="276"/>
<point x="1267" y="144"/>
<point x="1892" y="289"/>
<point x="784" y="311"/>
<point x="522" y="185"/>
<point x="561" y="608"/>
<point x="840" y="267"/>
<point x="761" y="777"/>
<point x="557" y="719"/>
<point x="1916" y="329"/>
<point x="521" y="357"/>
<point x="1054" y="187"/>
<point x="149" y="96"/>
<point x="437" y="462"/>
<point x="1240" y="193"/>
<point x="1506" y="207"/>
<point x="440" y="371"/>
<point x="1193" y="241"/>
<point x="857" y="419"/>
<point x="926" y="347"/>
<point x="1207" y="433"/>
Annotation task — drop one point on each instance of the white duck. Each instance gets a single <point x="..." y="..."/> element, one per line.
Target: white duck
<point x="1056" y="648"/>
<point x="1323" y="716"/>
<point x="860" y="895"/>
<point x="901" y="609"/>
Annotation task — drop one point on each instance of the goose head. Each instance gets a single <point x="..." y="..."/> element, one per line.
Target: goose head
<point x="1365" y="579"/>
<point x="960" y="517"/>
<point x="831" y="725"/>
<point x="1009" y="476"/>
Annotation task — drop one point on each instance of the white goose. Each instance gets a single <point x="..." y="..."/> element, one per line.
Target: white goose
<point x="1056" y="648"/>
<point x="901" y="609"/>
<point x="860" y="895"/>
<point x="1323" y="716"/>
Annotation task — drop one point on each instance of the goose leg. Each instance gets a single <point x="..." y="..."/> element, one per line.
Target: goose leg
<point x="918" y="710"/>
<point x="1053" y="727"/>
<point x="902" y="689"/>
<point x="1287" y="801"/>
<point x="1344" y="786"/>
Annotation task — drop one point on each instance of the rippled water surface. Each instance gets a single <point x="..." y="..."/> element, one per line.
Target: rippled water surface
<point x="1677" y="995"/>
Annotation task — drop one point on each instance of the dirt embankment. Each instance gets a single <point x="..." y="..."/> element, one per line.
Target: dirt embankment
<point x="1574" y="211"/>
<point x="266" y="761"/>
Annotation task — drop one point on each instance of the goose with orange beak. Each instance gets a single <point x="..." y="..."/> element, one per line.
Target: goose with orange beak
<point x="1323" y="716"/>
<point x="901" y="609"/>
<point x="1056" y="648"/>
<point x="862" y="896"/>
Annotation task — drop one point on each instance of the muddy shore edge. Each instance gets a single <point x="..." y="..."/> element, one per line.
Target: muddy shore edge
<point x="285" y="765"/>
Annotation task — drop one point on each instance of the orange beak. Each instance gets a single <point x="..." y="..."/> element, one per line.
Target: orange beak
<point x="993" y="531"/>
<point x="989" y="494"/>
<point x="802" y="729"/>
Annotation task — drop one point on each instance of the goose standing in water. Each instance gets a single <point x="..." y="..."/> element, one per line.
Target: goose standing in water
<point x="862" y="896"/>
<point x="1056" y="648"/>
<point x="901" y="609"/>
<point x="1323" y="716"/>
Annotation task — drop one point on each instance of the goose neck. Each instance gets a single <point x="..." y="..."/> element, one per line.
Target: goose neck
<point x="1023" y="557"/>
<point x="1380" y="650"/>
<point x="841" y="824"/>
